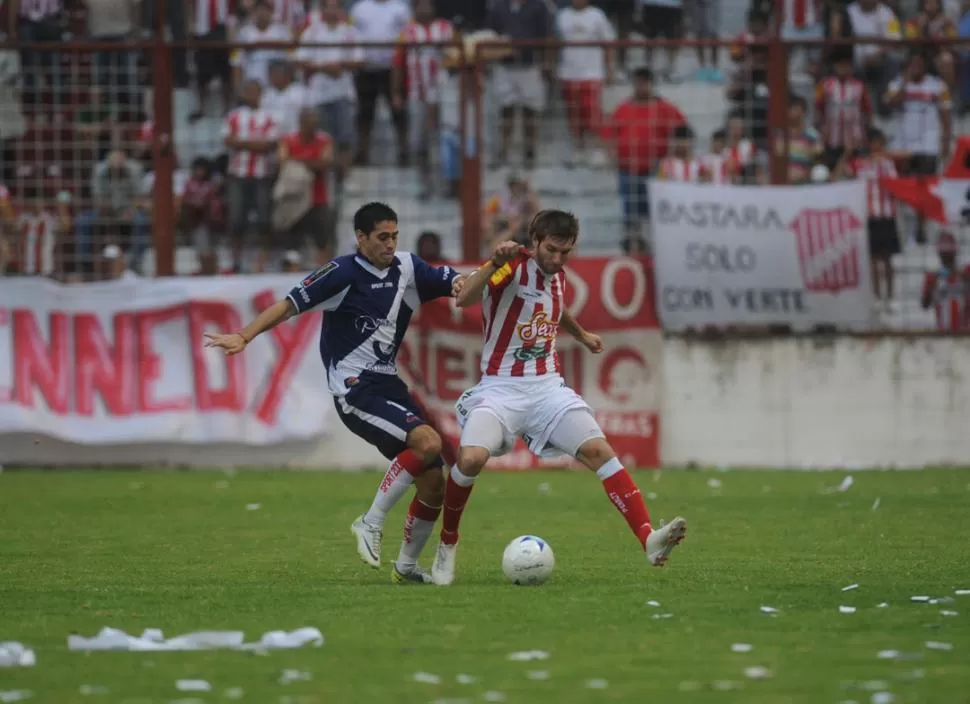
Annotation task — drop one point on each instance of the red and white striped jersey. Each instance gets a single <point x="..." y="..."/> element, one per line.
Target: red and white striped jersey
<point x="951" y="298"/>
<point x="715" y="168"/>
<point x="521" y="309"/>
<point x="741" y="154"/>
<point x="878" y="201"/>
<point x="674" y="168"/>
<point x="422" y="63"/>
<point x="38" y="236"/>
<point x="291" y="13"/>
<point x="843" y="109"/>
<point x="210" y="14"/>
<point x="801" y="13"/>
<point x="245" y="123"/>
<point x="36" y="10"/>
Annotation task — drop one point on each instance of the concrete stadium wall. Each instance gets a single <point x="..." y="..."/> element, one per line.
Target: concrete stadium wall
<point x="799" y="403"/>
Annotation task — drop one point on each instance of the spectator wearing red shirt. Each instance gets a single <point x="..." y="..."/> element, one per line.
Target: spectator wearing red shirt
<point x="640" y="131"/>
<point x="947" y="289"/>
<point x="314" y="149"/>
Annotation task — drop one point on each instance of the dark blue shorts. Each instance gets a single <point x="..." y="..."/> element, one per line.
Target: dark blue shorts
<point x="382" y="413"/>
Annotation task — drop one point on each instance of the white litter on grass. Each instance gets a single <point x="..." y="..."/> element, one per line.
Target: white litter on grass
<point x="223" y="484"/>
<point x="962" y="592"/>
<point x="426" y="678"/>
<point x="193" y="686"/>
<point x="757" y="673"/>
<point x="657" y="617"/>
<point x="921" y="598"/>
<point x="288" y="676"/>
<point x="846" y="609"/>
<point x="887" y="654"/>
<point x="882" y="605"/>
<point x="947" y="612"/>
<point x="725" y="685"/>
<point x="234" y="693"/>
<point x="688" y="686"/>
<point x="537" y="674"/>
<point x="882" y="698"/>
<point x="597" y="684"/>
<point x="850" y="587"/>
<point x="875" y="504"/>
<point x="464" y="679"/>
<point x="153" y="639"/>
<point x="253" y="507"/>
<point x="933" y="601"/>
<point x="714" y="483"/>
<point x="768" y="609"/>
<point x="493" y="696"/>
<point x="874" y="685"/>
<point x="651" y="496"/>
<point x="16" y="654"/>
<point x="544" y="488"/>
<point x="917" y="674"/>
<point x="90" y="690"/>
<point x="15" y="695"/>
<point x="741" y="647"/>
<point x="525" y="655"/>
<point x="653" y="602"/>
<point x="938" y="645"/>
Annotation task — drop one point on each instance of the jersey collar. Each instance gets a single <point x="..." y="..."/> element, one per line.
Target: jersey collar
<point x="373" y="270"/>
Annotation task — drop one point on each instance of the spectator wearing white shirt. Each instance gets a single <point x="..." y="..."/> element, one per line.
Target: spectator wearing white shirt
<point x="379" y="21"/>
<point x="331" y="77"/>
<point x="210" y="22"/>
<point x="583" y="70"/>
<point x="253" y="64"/>
<point x="284" y="97"/>
<point x="876" y="63"/>
<point x="251" y="135"/>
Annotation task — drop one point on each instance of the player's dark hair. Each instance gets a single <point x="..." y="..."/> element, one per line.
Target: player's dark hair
<point x="683" y="132"/>
<point x="643" y="74"/>
<point x="875" y="134"/>
<point x="558" y="224"/>
<point x="367" y="216"/>
<point x="719" y="135"/>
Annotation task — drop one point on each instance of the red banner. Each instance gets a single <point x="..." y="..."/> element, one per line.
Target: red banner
<point x="612" y="297"/>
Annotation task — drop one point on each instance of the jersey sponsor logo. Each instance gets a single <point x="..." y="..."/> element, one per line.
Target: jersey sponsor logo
<point x="319" y="273"/>
<point x="367" y="323"/>
<point x="528" y="354"/>
<point x="538" y="328"/>
<point x="383" y="284"/>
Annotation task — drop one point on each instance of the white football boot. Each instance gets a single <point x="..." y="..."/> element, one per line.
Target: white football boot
<point x="443" y="567"/>
<point x="368" y="541"/>
<point x="662" y="541"/>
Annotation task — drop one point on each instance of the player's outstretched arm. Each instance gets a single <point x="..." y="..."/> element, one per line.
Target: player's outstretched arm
<point x="235" y="342"/>
<point x="475" y="283"/>
<point x="590" y="341"/>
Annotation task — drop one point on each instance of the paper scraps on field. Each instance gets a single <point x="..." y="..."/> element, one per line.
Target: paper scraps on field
<point x="887" y="654"/>
<point x="947" y="612"/>
<point x="597" y="684"/>
<point x="287" y="676"/>
<point x="769" y="610"/>
<point x="714" y="483"/>
<point x="843" y="486"/>
<point x="658" y="617"/>
<point x="234" y="693"/>
<point x="16" y="654"/>
<point x="426" y="678"/>
<point x="92" y="690"/>
<point x="253" y="507"/>
<point x="152" y="639"/>
<point x="688" y="686"/>
<point x="757" y="673"/>
<point x="193" y="686"/>
<point x="653" y="602"/>
<point x="962" y="592"/>
<point x="741" y="647"/>
<point x="725" y="685"/>
<point x="15" y="695"/>
<point x="921" y="598"/>
<point x="846" y="609"/>
<point x="850" y="587"/>
<point x="493" y="696"/>
<point x="875" y="504"/>
<point x="539" y="675"/>
<point x="525" y="655"/>
<point x="882" y="698"/>
<point x="462" y="678"/>
<point x="882" y="605"/>
<point x="938" y="645"/>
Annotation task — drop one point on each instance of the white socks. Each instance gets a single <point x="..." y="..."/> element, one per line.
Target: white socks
<point x="395" y="484"/>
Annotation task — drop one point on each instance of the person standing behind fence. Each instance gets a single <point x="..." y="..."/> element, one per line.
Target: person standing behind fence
<point x="417" y="79"/>
<point x="703" y="22"/>
<point x="662" y="19"/>
<point x="284" y="97"/>
<point x="114" y="21"/>
<point x="209" y="24"/>
<point x="519" y="80"/>
<point x="947" y="290"/>
<point x="639" y="132"/>
<point x="250" y="134"/>
<point x="843" y="110"/>
<point x="379" y="21"/>
<point x="253" y="64"/>
<point x="876" y="63"/>
<point x="331" y="78"/>
<point x="38" y="21"/>
<point x="582" y="73"/>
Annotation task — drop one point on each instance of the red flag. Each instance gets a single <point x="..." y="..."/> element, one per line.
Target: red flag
<point x="945" y="199"/>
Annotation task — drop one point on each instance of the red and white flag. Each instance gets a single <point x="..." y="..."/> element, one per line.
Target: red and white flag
<point x="945" y="198"/>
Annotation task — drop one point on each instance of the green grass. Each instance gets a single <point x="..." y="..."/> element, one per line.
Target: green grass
<point x="180" y="552"/>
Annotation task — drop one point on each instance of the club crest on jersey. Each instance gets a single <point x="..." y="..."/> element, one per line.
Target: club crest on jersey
<point x="319" y="273"/>
<point x="539" y="327"/>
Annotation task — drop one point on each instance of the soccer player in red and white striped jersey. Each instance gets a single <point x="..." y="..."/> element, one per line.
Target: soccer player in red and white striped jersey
<point x="522" y="392"/>
<point x="947" y="290"/>
<point x="843" y="109"/>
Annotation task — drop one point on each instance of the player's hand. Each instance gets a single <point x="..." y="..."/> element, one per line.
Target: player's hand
<point x="505" y="252"/>
<point x="594" y="343"/>
<point x="457" y="285"/>
<point x="231" y="343"/>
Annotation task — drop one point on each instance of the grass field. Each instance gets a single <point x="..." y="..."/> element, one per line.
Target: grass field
<point x="181" y="552"/>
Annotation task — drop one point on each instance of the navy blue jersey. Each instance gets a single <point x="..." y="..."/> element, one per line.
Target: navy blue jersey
<point x="368" y="311"/>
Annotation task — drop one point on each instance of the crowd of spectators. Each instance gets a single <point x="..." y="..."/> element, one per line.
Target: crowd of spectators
<point x="76" y="129"/>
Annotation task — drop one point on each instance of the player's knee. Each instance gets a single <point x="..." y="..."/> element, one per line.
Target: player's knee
<point x="430" y="485"/>
<point x="595" y="452"/>
<point x="425" y="442"/>
<point x="471" y="460"/>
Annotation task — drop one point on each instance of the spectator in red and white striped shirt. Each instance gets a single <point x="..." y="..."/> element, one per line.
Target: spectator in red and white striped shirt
<point x="681" y="165"/>
<point x="416" y="77"/>
<point x="843" y="110"/>
<point x="251" y="135"/>
<point x="716" y="166"/>
<point x="210" y="22"/>
<point x="947" y="289"/>
<point x="881" y="209"/>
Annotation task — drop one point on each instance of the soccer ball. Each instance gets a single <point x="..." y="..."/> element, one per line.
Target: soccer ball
<point x="528" y="560"/>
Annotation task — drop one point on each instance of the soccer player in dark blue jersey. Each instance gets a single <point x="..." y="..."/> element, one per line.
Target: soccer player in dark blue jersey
<point x="369" y="297"/>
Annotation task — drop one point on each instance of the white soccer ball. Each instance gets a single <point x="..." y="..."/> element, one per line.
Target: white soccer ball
<point x="820" y="173"/>
<point x="528" y="560"/>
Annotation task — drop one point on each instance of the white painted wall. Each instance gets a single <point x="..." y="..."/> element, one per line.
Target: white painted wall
<point x="774" y="403"/>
